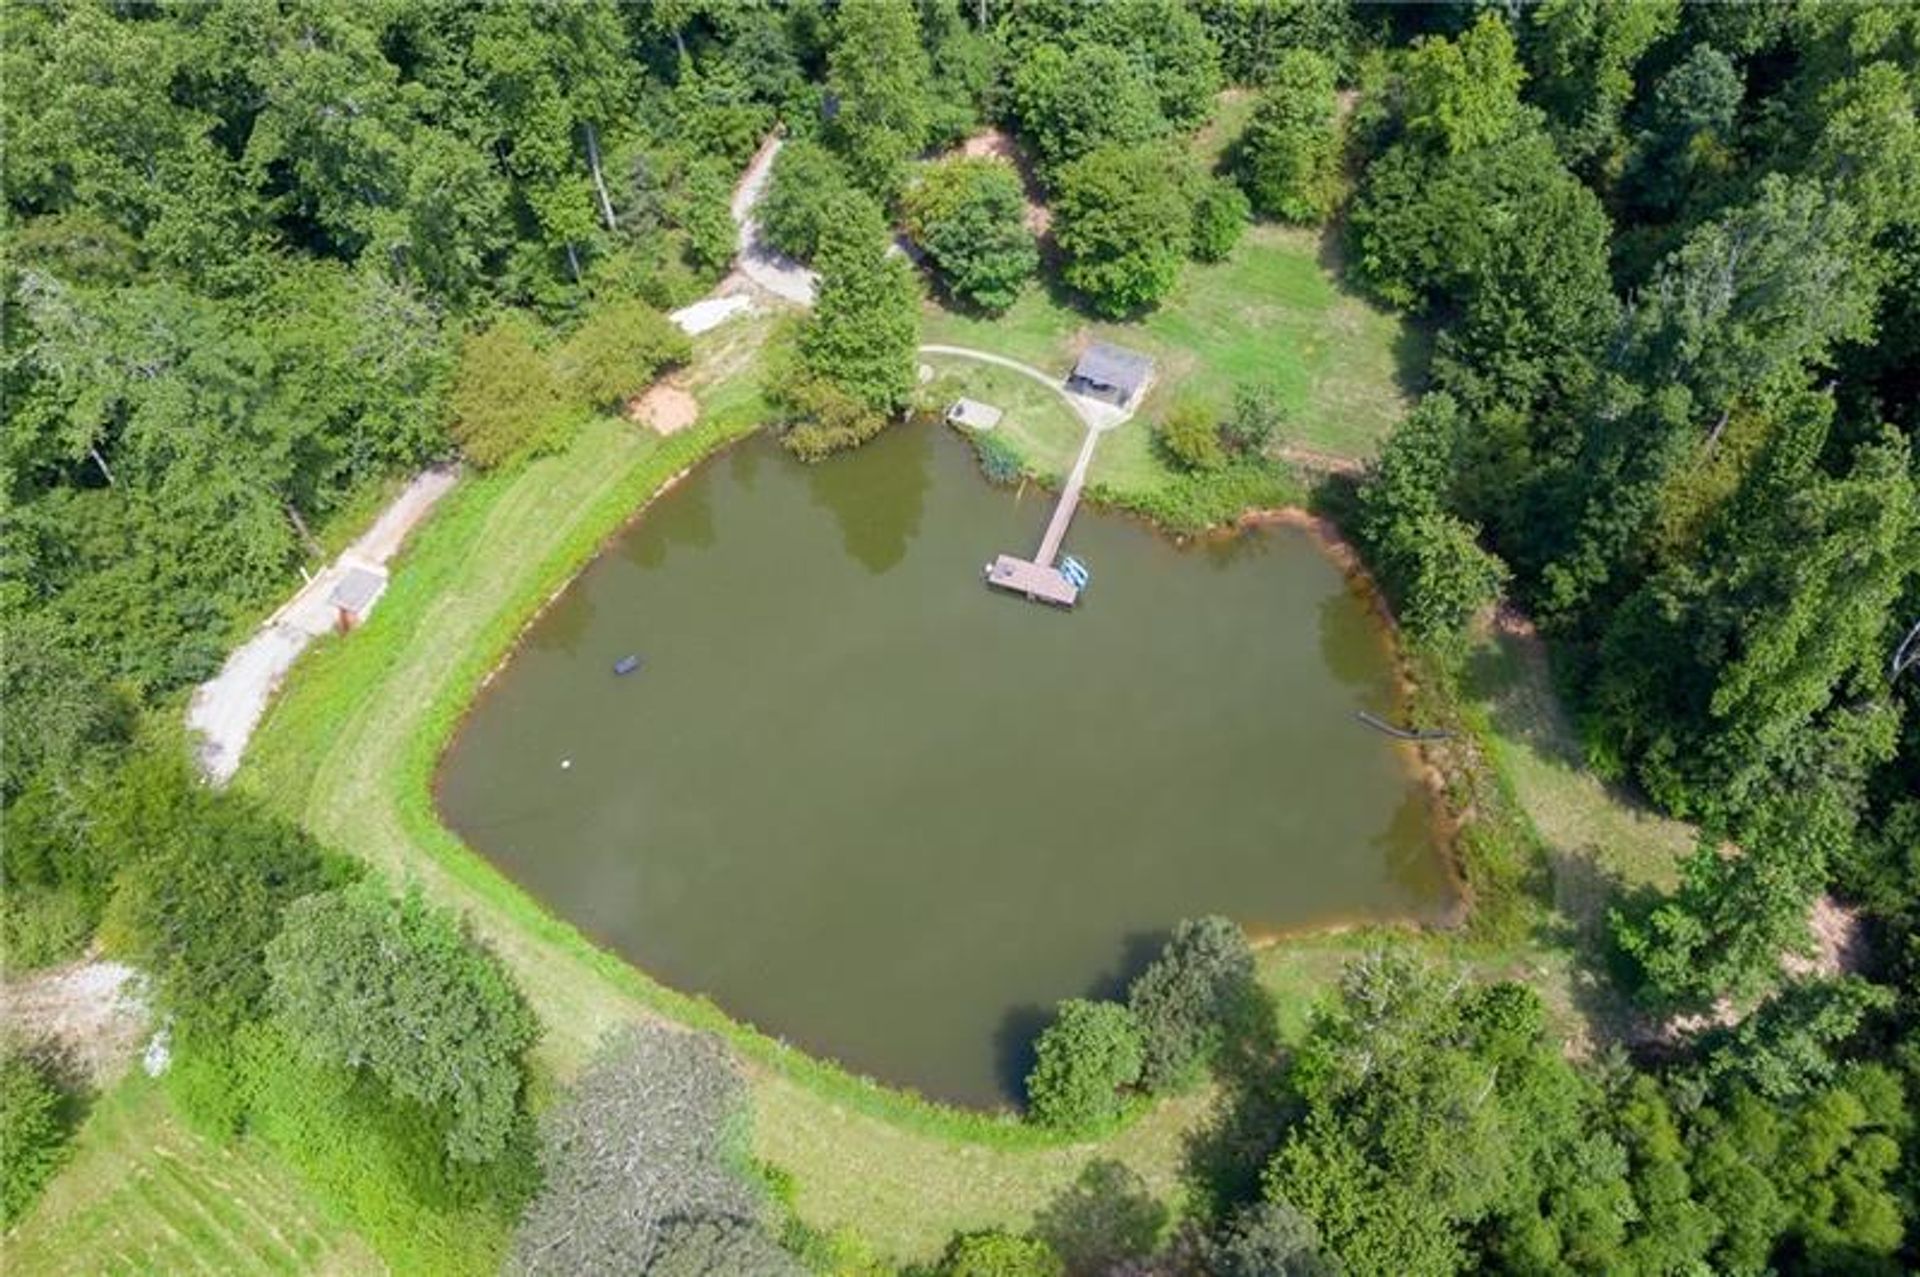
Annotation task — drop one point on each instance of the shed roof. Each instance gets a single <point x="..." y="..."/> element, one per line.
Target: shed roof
<point x="357" y="589"/>
<point x="1114" y="366"/>
<point x="973" y="414"/>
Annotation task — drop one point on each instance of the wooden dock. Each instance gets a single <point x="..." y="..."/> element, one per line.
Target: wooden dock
<point x="1038" y="578"/>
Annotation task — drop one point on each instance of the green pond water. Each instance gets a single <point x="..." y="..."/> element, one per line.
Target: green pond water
<point x="892" y="817"/>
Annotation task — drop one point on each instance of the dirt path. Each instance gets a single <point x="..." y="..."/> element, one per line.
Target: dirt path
<point x="93" y="1014"/>
<point x="755" y="260"/>
<point x="227" y="707"/>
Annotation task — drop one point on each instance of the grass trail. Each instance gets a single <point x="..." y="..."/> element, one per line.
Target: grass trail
<point x="145" y="1194"/>
<point x="350" y="744"/>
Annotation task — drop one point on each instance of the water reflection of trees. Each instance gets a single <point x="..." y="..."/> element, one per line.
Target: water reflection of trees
<point x="877" y="495"/>
<point x="683" y="516"/>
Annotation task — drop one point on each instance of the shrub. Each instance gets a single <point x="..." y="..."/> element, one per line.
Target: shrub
<point x="1084" y="1060"/>
<point x="999" y="461"/>
<point x="969" y="216"/>
<point x="36" y="1123"/>
<point x="825" y="419"/>
<point x="620" y="348"/>
<point x="1270" y="1238"/>
<point x="1184" y="1001"/>
<point x="1256" y="419"/>
<point x="506" y="401"/>
<point x="996" y="1254"/>
<point x="400" y="988"/>
<point x="1220" y="215"/>
<point x="1190" y="437"/>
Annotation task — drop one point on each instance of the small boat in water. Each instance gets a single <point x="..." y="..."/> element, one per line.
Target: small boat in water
<point x="626" y="665"/>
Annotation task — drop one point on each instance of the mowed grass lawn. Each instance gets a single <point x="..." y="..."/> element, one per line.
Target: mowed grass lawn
<point x="349" y="747"/>
<point x="1270" y="312"/>
<point x="144" y="1194"/>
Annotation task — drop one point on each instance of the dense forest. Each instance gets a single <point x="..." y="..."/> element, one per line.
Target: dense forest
<point x="264" y="260"/>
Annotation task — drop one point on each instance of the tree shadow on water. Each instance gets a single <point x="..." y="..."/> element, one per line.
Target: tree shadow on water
<point x="1104" y="1218"/>
<point x="1013" y="1045"/>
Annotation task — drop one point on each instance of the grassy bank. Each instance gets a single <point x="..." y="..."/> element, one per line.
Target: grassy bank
<point x="350" y="747"/>
<point x="145" y="1194"/>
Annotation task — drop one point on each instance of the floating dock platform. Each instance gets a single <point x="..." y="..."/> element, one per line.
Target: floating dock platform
<point x="1041" y="584"/>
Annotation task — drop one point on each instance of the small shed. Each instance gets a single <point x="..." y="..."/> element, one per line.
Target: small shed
<point x="973" y="414"/>
<point x="355" y="593"/>
<point x="1112" y="373"/>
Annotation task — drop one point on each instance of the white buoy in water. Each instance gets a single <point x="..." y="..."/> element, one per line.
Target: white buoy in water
<point x="565" y="763"/>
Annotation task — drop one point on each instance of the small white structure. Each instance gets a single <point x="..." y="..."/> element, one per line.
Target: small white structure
<point x="359" y="588"/>
<point x="974" y="415"/>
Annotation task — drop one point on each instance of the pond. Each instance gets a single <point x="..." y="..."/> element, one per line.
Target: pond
<point x="889" y="816"/>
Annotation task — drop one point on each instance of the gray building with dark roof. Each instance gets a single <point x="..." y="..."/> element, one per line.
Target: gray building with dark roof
<point x="1112" y="373"/>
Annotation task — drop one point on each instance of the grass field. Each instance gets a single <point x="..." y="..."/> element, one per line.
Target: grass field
<point x="144" y="1194"/>
<point x="1270" y="312"/>
<point x="349" y="749"/>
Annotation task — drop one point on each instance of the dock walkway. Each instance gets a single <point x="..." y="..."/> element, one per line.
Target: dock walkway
<point x="1038" y="578"/>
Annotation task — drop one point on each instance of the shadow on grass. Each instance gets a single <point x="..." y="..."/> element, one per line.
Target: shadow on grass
<point x="1225" y="1157"/>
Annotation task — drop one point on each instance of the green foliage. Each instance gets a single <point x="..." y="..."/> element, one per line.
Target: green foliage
<point x="1220" y="215"/>
<point x="213" y="877"/>
<point x="1202" y="499"/>
<point x="878" y="72"/>
<point x="999" y="461"/>
<point x="1083" y="1064"/>
<point x="617" y="351"/>
<point x="1071" y="104"/>
<point x="1582" y="54"/>
<point x="807" y="183"/>
<point x="998" y="1254"/>
<point x="1429" y="561"/>
<point x="399" y="988"/>
<point x="1255" y="36"/>
<point x="1269" y="1238"/>
<point x="1290" y="153"/>
<point x="864" y="327"/>
<point x="1187" y="999"/>
<point x="1255" y="421"/>
<point x="1784" y="1048"/>
<point x="1123" y="221"/>
<point x="36" y="1123"/>
<point x="970" y="217"/>
<point x="506" y="401"/>
<point x="1190" y="436"/>
<point x="1464" y="94"/>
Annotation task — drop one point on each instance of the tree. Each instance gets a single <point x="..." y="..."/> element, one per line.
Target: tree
<point x="808" y="182"/>
<point x="1190" y="436"/>
<point x="646" y="1144"/>
<point x="720" y="1246"/>
<point x="992" y="1253"/>
<point x="506" y="401"/>
<point x="1072" y="104"/>
<point x="1785" y="1048"/>
<point x="864" y="328"/>
<point x="1685" y="150"/>
<point x="1186" y="999"/>
<point x="1123" y="222"/>
<point x="878" y="73"/>
<point x="970" y="217"/>
<point x="1463" y="94"/>
<point x="1270" y="1238"/>
<point x="1259" y="411"/>
<point x="1083" y="1062"/>
<point x="397" y="987"/>
<point x="1429" y="561"/>
<point x="1582" y="54"/>
<point x="207" y="892"/>
<point x="617" y="350"/>
<point x="1220" y="215"/>
<point x="1290" y="153"/>
<point x="35" y="1126"/>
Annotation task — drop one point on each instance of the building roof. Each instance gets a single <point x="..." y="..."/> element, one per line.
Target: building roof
<point x="973" y="414"/>
<point x="357" y="589"/>
<point x="1114" y="366"/>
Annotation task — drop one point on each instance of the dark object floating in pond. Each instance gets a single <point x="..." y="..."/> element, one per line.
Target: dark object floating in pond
<point x="1401" y="733"/>
<point x="626" y="665"/>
